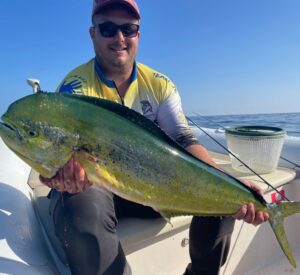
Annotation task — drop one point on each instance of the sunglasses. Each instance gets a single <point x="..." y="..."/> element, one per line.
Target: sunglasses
<point x="109" y="29"/>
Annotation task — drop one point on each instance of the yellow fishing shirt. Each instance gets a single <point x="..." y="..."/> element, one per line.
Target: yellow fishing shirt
<point x="150" y="93"/>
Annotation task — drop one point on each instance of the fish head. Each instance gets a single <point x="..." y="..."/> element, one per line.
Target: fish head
<point x="32" y="129"/>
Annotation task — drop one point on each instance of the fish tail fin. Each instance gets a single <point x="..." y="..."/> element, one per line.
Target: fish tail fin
<point x="278" y="212"/>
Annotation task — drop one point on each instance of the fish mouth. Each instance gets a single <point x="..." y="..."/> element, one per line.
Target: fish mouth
<point x="9" y="130"/>
<point x="6" y="127"/>
<point x="9" y="126"/>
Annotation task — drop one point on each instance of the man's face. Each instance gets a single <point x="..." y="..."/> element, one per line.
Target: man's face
<point x="118" y="51"/>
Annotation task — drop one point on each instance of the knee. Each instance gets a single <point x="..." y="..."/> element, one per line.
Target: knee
<point x="90" y="215"/>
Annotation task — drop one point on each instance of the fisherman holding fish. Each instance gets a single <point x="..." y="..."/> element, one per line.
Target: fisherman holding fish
<point x="92" y="245"/>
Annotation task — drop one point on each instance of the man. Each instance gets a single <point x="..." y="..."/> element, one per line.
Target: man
<point x="86" y="216"/>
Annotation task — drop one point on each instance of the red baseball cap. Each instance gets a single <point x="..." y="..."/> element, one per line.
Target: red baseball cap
<point x="99" y="5"/>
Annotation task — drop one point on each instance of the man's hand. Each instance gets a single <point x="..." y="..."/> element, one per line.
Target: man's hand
<point x="247" y="212"/>
<point x="71" y="178"/>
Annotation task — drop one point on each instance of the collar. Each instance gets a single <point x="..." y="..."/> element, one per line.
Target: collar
<point x="111" y="83"/>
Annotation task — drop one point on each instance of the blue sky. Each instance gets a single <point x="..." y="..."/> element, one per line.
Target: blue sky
<point x="225" y="56"/>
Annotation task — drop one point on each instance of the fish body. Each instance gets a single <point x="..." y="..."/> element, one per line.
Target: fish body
<point x="129" y="155"/>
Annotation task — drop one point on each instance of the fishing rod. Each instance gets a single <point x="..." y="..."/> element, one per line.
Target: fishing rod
<point x="291" y="162"/>
<point x="224" y="128"/>
<point x="227" y="150"/>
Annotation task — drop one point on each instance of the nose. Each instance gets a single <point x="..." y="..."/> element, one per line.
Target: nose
<point x="119" y="36"/>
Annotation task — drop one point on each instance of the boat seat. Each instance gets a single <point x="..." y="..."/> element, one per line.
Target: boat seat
<point x="134" y="233"/>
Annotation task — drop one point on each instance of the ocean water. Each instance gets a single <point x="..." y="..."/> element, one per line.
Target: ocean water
<point x="290" y="122"/>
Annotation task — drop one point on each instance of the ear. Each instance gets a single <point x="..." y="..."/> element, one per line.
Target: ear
<point x="92" y="32"/>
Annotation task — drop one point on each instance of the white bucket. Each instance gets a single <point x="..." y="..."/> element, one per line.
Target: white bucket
<point x="259" y="147"/>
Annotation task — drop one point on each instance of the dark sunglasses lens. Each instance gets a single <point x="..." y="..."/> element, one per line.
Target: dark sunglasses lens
<point x="129" y="30"/>
<point x="108" y="29"/>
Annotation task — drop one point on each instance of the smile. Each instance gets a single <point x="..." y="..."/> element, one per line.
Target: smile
<point x="118" y="49"/>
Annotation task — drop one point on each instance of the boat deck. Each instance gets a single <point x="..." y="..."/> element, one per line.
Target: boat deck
<point x="278" y="266"/>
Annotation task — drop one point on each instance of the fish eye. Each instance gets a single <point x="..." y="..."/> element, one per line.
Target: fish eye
<point x="32" y="133"/>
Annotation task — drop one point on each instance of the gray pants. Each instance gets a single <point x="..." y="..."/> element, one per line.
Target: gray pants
<point x="86" y="224"/>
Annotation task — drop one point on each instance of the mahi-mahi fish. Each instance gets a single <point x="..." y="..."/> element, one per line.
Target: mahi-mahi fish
<point x="129" y="155"/>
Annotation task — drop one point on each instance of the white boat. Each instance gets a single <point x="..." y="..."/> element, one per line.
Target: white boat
<point x="149" y="244"/>
<point x="152" y="247"/>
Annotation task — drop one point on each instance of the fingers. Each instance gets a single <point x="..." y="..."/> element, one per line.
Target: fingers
<point x="250" y="214"/>
<point x="257" y="189"/>
<point x="241" y="213"/>
<point x="53" y="182"/>
<point x="57" y="181"/>
<point x="46" y="181"/>
<point x="71" y="178"/>
<point x="253" y="186"/>
<point x="247" y="213"/>
<point x="79" y="172"/>
<point x="260" y="217"/>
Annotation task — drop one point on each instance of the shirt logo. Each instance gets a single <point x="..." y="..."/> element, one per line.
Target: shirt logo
<point x="72" y="84"/>
<point x="161" y="76"/>
<point x="146" y="107"/>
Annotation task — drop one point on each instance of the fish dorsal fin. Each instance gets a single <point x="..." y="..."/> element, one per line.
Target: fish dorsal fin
<point x="131" y="115"/>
